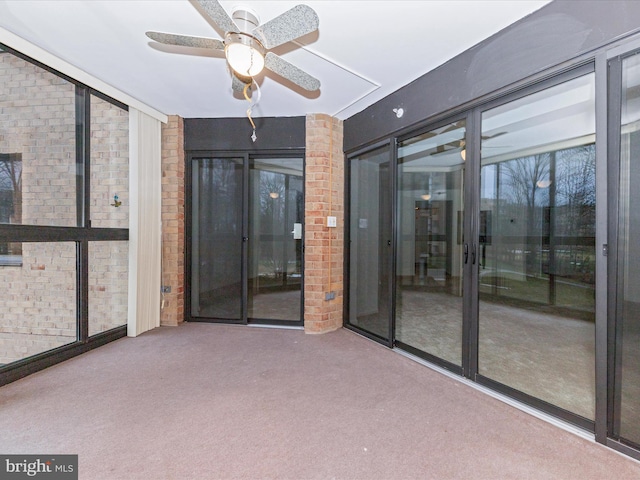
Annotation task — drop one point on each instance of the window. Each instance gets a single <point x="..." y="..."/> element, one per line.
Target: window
<point x="64" y="159"/>
<point x="10" y="204"/>
<point x="537" y="271"/>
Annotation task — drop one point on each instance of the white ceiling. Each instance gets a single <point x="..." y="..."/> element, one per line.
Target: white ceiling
<point x="362" y="52"/>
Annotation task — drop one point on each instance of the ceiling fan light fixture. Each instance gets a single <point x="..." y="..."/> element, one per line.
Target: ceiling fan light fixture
<point x="244" y="53"/>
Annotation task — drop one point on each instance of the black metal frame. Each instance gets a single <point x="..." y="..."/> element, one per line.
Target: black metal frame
<point x="347" y="242"/>
<point x="81" y="235"/>
<point x="614" y="259"/>
<point x="467" y="219"/>
<point x="613" y="183"/>
<point x="246" y="157"/>
<point x="584" y="68"/>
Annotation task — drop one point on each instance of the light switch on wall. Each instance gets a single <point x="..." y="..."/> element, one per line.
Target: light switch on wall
<point x="332" y="222"/>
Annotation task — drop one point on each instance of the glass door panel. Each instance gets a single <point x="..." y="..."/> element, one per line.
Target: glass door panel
<point x="429" y="246"/>
<point x="370" y="243"/>
<point x="217" y="238"/>
<point x="537" y="246"/>
<point x="627" y="387"/>
<point x="276" y="212"/>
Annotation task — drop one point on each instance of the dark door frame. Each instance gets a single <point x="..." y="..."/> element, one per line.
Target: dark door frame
<point x="246" y="156"/>
<point x="388" y="341"/>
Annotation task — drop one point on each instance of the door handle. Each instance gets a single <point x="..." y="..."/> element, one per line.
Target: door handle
<point x="473" y="254"/>
<point x="466" y="253"/>
<point x="297" y="231"/>
<point x="245" y="239"/>
<point x="388" y="243"/>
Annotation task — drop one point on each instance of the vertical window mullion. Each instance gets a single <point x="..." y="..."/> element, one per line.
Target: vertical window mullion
<point x="83" y="115"/>
<point x="82" y="278"/>
<point x="83" y="152"/>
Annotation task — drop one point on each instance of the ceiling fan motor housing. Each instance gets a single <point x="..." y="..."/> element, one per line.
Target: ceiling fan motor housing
<point x="245" y="19"/>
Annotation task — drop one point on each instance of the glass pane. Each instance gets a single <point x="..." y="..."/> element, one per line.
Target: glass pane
<point x="216" y="284"/>
<point x="37" y="146"/>
<point x="38" y="302"/>
<point x="370" y="250"/>
<point x="429" y="263"/>
<point x="537" y="259"/>
<point x="276" y="216"/>
<point x="628" y="289"/>
<point x="109" y="165"/>
<point x="108" y="284"/>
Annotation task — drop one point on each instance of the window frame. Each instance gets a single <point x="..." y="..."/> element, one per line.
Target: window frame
<point x="81" y="234"/>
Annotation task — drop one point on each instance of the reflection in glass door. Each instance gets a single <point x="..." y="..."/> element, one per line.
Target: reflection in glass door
<point x="217" y="238"/>
<point x="428" y="306"/>
<point x="537" y="246"/>
<point x="276" y="211"/>
<point x="370" y="243"/>
<point x="627" y="369"/>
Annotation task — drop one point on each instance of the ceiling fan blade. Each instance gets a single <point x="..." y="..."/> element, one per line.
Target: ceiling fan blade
<point x="219" y="15"/>
<point x="285" y="69"/>
<point x="186" y="40"/>
<point x="292" y="24"/>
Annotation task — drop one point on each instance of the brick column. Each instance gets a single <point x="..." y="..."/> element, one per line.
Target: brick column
<point x="173" y="182"/>
<point x="324" y="246"/>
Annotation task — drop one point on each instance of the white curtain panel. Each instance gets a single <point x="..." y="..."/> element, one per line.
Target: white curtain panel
<point x="145" y="229"/>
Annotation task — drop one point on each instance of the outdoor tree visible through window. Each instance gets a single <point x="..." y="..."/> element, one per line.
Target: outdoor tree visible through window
<point x="10" y="204"/>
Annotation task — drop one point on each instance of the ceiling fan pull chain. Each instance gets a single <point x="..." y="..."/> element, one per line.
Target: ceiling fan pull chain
<point x="246" y="88"/>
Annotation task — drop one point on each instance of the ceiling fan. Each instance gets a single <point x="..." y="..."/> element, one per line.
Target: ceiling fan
<point x="247" y="43"/>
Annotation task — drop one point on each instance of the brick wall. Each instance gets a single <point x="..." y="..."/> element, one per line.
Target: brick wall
<point x="173" y="220"/>
<point x="324" y="246"/>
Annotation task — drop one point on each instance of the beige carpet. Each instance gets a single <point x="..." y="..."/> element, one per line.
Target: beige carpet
<point x="205" y="401"/>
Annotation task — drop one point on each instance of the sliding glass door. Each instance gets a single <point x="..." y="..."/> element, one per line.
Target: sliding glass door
<point x="247" y="239"/>
<point x="491" y="241"/>
<point x="370" y="243"/>
<point x="430" y="251"/>
<point x="217" y="238"/>
<point x="276" y="211"/>
<point x="537" y="247"/>
<point x="625" y="291"/>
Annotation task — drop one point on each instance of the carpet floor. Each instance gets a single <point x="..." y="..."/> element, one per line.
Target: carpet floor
<point x="207" y="401"/>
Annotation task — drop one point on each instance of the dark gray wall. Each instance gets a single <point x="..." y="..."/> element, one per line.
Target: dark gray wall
<point x="558" y="32"/>
<point x="235" y="134"/>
